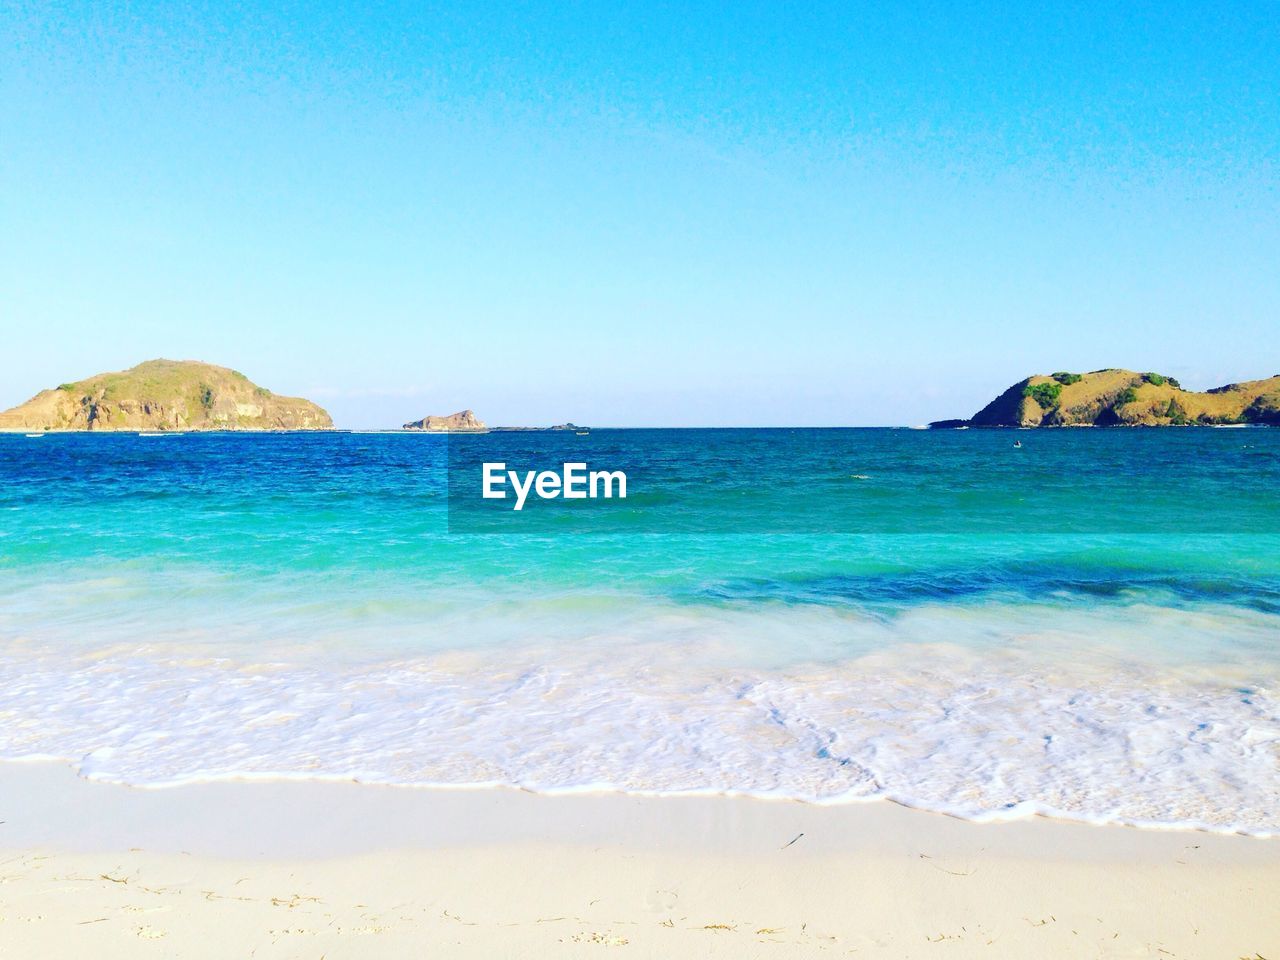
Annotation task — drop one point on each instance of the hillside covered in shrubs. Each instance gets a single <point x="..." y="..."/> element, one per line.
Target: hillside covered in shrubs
<point x="1119" y="398"/>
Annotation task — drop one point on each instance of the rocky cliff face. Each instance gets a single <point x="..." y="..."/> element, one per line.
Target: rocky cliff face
<point x="165" y="395"/>
<point x="1125" y="398"/>
<point x="462" y="422"/>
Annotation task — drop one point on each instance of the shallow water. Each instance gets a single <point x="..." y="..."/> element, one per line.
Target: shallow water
<point x="1094" y="633"/>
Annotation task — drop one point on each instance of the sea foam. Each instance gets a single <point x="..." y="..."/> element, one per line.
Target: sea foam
<point x="675" y="700"/>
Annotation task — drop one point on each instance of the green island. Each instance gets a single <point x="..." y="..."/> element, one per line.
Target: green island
<point x="1125" y="398"/>
<point x="165" y="396"/>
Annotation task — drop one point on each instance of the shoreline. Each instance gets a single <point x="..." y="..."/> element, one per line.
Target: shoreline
<point x="1026" y="812"/>
<point x="380" y="814"/>
<point x="294" y="868"/>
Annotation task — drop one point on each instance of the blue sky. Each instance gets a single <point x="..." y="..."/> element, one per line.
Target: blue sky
<point x="654" y="214"/>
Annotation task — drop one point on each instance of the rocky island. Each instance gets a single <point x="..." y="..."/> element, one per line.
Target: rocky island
<point x="165" y="395"/>
<point x="1124" y="398"/>
<point x="465" y="421"/>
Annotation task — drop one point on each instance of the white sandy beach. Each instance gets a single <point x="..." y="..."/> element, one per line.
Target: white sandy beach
<point x="298" y="869"/>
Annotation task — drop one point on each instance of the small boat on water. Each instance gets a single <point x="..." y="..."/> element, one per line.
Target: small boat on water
<point x="584" y="433"/>
<point x="161" y="433"/>
<point x="32" y="436"/>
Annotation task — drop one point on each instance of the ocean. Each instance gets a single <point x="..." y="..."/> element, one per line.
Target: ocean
<point x="1085" y="627"/>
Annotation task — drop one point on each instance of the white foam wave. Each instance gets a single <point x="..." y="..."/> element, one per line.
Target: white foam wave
<point x="978" y="734"/>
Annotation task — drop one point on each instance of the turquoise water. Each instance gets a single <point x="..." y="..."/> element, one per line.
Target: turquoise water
<point x="1087" y="626"/>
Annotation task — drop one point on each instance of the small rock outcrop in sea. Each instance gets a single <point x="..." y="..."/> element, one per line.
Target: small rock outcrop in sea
<point x="1124" y="398"/>
<point x="462" y="422"/>
<point x="165" y="395"/>
<point x="561" y="427"/>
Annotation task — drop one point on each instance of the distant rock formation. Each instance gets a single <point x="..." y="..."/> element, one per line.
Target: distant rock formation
<point x="165" y="395"/>
<point x="462" y="422"/>
<point x="1107" y="398"/>
<point x="466" y="422"/>
<point x="560" y="427"/>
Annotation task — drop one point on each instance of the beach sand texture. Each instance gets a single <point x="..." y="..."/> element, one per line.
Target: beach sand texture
<point x="334" y="870"/>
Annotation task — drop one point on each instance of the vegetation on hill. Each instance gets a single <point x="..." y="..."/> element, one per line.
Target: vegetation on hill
<point x="1115" y="397"/>
<point x="165" y="395"/>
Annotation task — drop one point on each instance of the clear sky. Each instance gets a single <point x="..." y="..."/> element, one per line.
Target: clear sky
<point x="645" y="213"/>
